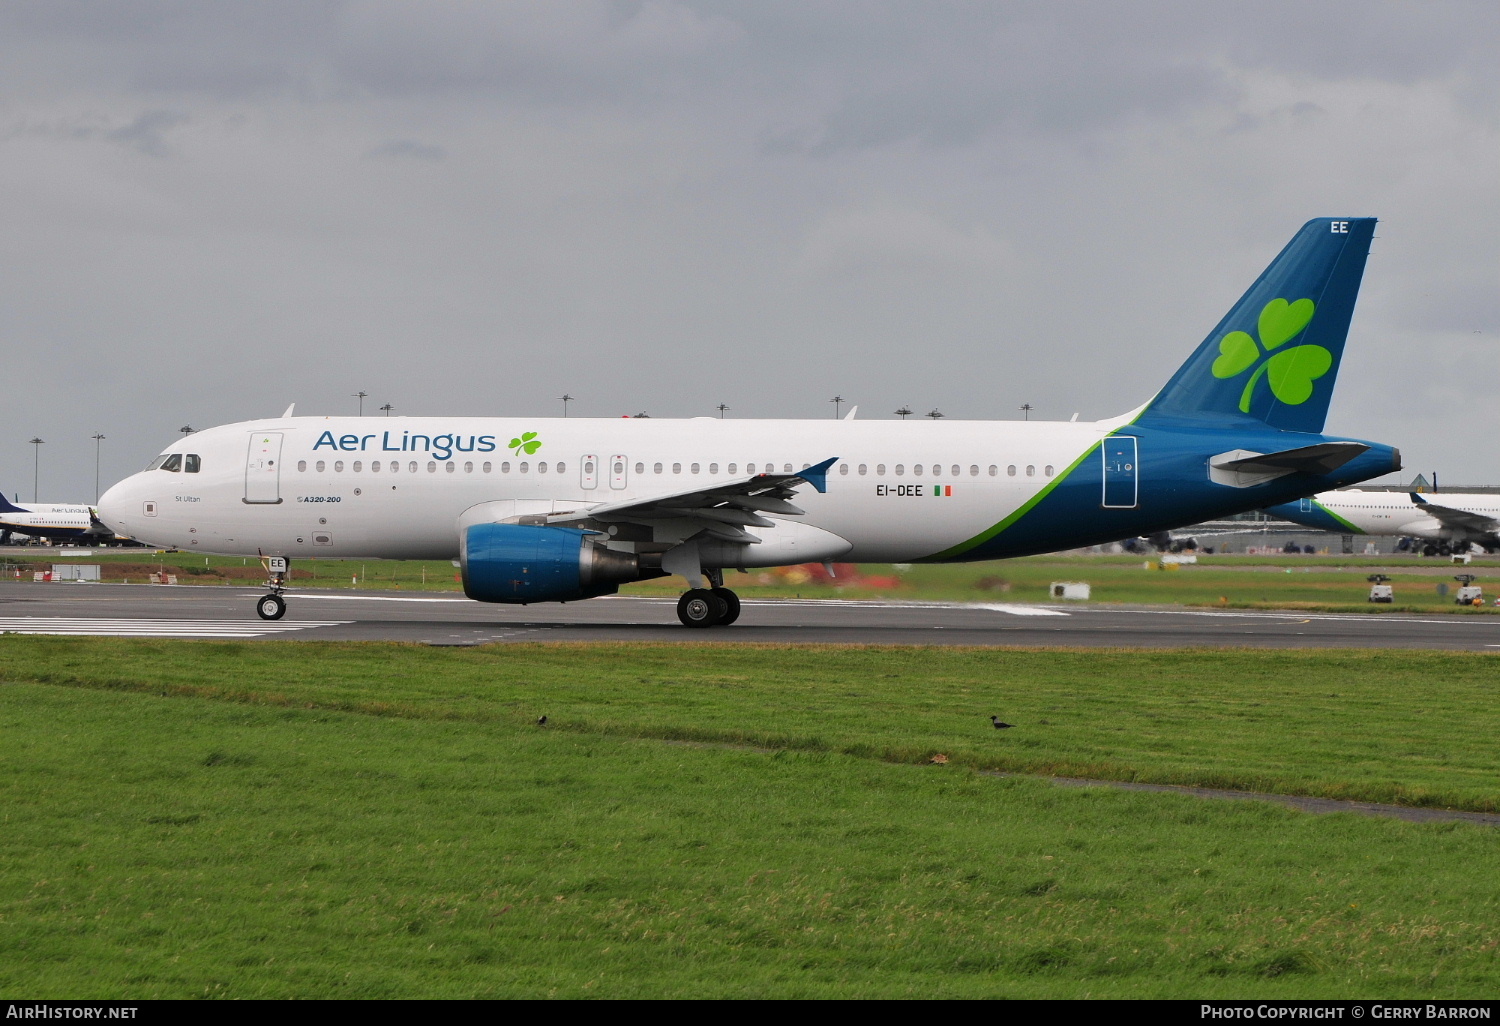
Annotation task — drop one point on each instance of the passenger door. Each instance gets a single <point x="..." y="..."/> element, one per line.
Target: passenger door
<point x="263" y="468"/>
<point x="1121" y="487"/>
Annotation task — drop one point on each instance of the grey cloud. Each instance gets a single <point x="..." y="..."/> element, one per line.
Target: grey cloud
<point x="398" y="148"/>
<point x="666" y="205"/>
<point x="146" y="133"/>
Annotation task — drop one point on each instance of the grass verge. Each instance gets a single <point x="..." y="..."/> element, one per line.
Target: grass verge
<point x="1411" y="728"/>
<point x="186" y="847"/>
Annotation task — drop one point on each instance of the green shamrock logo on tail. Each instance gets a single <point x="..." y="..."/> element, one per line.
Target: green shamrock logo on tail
<point x="527" y="442"/>
<point x="1291" y="372"/>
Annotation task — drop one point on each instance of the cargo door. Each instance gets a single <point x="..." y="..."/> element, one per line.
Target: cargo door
<point x="1120" y="480"/>
<point x="263" y="468"/>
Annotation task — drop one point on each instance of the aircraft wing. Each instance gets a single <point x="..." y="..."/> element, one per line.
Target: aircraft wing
<point x="725" y="507"/>
<point x="1460" y="518"/>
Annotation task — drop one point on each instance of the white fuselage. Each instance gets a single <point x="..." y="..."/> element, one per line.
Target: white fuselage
<point x="397" y="487"/>
<point x="1396" y="513"/>
<point x="43" y="518"/>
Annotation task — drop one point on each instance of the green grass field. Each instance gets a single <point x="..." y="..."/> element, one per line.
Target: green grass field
<point x="268" y="820"/>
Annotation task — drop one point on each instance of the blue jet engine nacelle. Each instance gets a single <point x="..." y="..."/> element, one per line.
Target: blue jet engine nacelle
<point x="525" y="563"/>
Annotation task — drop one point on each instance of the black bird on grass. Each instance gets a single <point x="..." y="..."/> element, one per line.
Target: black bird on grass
<point x="541" y="721"/>
<point x="999" y="724"/>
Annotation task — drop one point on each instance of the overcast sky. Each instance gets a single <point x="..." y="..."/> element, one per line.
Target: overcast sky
<point x="212" y="210"/>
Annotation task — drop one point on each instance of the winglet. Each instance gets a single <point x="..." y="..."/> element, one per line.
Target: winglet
<point x="1418" y="499"/>
<point x="818" y="476"/>
<point x="289" y="410"/>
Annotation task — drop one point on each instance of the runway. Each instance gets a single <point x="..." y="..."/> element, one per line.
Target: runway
<point x="317" y="615"/>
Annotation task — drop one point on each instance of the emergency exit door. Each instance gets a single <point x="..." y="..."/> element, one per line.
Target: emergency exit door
<point x="1120" y="474"/>
<point x="263" y="468"/>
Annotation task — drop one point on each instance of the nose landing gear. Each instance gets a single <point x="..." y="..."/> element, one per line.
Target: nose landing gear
<point x="273" y="606"/>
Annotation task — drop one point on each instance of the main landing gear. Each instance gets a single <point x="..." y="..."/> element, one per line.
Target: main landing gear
<point x="273" y="606"/>
<point x="708" y="607"/>
<point x="715" y="606"/>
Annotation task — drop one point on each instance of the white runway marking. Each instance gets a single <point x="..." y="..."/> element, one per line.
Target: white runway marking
<point x="299" y="596"/>
<point x="1013" y="609"/>
<point x="142" y="628"/>
<point x="1023" y="610"/>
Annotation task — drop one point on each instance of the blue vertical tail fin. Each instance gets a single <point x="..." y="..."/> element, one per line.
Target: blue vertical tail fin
<point x="1275" y="355"/>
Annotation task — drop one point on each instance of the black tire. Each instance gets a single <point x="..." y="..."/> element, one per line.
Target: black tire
<point x="700" y="608"/>
<point x="271" y="607"/>
<point x="731" y="606"/>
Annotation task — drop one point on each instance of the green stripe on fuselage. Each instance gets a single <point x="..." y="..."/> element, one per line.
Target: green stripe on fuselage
<point x="1347" y="526"/>
<point x="1026" y="507"/>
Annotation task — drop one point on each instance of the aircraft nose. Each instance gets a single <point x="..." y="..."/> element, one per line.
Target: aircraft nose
<point x="113" y="507"/>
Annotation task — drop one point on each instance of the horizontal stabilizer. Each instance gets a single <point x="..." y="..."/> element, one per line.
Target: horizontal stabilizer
<point x="1241" y="468"/>
<point x="1324" y="458"/>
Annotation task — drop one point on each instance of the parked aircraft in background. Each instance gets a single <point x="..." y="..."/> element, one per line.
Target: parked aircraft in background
<point x="1438" y="524"/>
<point x="62" y="521"/>
<point x="558" y="510"/>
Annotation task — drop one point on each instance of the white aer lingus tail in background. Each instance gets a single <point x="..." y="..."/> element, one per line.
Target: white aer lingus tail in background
<point x="557" y="510"/>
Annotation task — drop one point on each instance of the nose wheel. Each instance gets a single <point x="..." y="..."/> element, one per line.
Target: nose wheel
<point x="708" y="607"/>
<point x="273" y="606"/>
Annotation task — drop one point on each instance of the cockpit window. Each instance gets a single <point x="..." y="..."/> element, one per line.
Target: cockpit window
<point x="193" y="463"/>
<point x="173" y="463"/>
<point x="156" y="463"/>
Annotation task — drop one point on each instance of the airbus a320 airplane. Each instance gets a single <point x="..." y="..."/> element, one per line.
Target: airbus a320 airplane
<point x="1449" y="522"/>
<point x="558" y="510"/>
<point x="71" y="521"/>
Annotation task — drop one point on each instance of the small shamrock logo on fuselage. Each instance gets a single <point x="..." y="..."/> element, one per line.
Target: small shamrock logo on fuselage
<point x="1291" y="372"/>
<point x="527" y="443"/>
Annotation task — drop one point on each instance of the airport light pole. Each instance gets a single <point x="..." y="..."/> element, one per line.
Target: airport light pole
<point x="722" y="409"/>
<point x="934" y="413"/>
<point x="904" y="412"/>
<point x="387" y="408"/>
<point x="1026" y="411"/>
<point x="98" y="437"/>
<point x="361" y="397"/>
<point x="36" y="468"/>
<point x="837" y="401"/>
<point x="566" y="399"/>
<point x="187" y="429"/>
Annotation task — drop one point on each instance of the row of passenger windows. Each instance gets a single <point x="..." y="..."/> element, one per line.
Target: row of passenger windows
<point x="954" y="471"/>
<point x="412" y="467"/>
